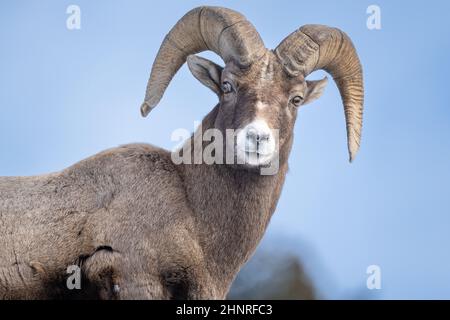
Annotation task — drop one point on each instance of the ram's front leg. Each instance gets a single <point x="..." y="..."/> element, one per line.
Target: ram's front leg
<point x="115" y="275"/>
<point x="184" y="281"/>
<point x="110" y="274"/>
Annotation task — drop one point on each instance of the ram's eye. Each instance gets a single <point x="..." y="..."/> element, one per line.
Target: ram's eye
<point x="227" y="87"/>
<point x="297" y="100"/>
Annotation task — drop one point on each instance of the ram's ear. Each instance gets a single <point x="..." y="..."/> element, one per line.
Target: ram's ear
<point x="207" y="72"/>
<point x="314" y="89"/>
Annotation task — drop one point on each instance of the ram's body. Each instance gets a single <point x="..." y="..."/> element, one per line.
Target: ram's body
<point x="126" y="202"/>
<point x="139" y="226"/>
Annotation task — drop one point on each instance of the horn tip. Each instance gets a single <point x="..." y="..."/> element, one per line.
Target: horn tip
<point x="351" y="158"/>
<point x="145" y="109"/>
<point x="352" y="154"/>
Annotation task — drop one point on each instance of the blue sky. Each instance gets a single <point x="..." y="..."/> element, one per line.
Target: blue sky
<point x="65" y="95"/>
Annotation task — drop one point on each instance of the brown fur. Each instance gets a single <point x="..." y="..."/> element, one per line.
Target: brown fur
<point x="133" y="220"/>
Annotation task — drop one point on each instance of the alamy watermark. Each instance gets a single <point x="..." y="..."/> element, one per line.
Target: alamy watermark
<point x="374" y="278"/>
<point x="374" y="19"/>
<point x="212" y="146"/>
<point x="73" y="21"/>
<point x="74" y="279"/>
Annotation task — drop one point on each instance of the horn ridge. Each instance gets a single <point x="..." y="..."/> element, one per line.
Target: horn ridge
<point x="314" y="47"/>
<point x="224" y="31"/>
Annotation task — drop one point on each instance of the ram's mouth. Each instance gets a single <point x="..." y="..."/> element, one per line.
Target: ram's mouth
<point x="254" y="158"/>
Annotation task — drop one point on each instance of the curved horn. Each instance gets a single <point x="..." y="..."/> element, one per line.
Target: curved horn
<point x="224" y="31"/>
<point x="314" y="47"/>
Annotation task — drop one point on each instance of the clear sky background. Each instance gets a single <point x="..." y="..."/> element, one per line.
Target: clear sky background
<point x="65" y="95"/>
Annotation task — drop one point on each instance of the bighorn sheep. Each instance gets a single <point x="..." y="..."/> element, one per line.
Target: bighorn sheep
<point x="140" y="226"/>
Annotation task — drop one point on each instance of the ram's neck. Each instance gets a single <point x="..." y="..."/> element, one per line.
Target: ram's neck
<point x="232" y="209"/>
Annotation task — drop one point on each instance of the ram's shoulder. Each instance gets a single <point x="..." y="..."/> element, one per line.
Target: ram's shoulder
<point x="130" y="157"/>
<point x="130" y="170"/>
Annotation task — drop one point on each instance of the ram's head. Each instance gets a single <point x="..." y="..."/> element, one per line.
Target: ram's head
<point x="259" y="89"/>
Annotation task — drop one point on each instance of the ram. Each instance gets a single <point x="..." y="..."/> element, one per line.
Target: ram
<point x="141" y="227"/>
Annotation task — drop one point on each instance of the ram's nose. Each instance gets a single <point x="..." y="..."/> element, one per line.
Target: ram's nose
<point x="256" y="137"/>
